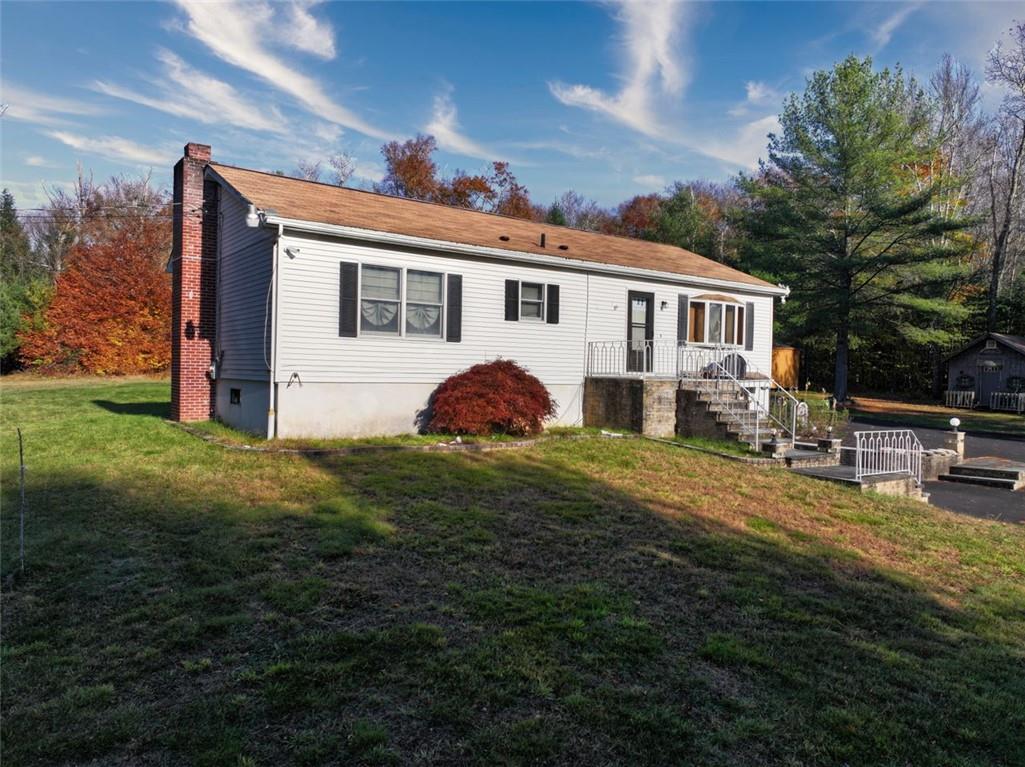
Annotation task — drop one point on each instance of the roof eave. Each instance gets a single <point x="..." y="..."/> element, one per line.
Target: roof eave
<point x="405" y="240"/>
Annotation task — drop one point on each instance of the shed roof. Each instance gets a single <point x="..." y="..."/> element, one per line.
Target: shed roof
<point x="329" y="204"/>
<point x="1016" y="343"/>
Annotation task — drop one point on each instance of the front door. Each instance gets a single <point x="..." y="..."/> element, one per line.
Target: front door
<point x="640" y="331"/>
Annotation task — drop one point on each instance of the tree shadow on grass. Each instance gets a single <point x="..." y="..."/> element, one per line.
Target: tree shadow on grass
<point x="505" y="608"/>
<point x="155" y="409"/>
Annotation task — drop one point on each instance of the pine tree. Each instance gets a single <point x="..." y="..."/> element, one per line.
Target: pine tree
<point x="844" y="212"/>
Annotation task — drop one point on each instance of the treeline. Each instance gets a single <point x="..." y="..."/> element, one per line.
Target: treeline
<point x="892" y="208"/>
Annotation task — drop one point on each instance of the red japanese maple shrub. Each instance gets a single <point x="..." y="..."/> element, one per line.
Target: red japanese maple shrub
<point x="494" y="397"/>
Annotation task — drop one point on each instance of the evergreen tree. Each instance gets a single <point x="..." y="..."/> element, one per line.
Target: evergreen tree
<point x="844" y="212"/>
<point x="15" y="253"/>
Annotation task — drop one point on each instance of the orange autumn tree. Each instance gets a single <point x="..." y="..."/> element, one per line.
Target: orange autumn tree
<point x="111" y="308"/>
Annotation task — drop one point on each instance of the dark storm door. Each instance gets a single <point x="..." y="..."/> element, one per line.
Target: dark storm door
<point x="640" y="331"/>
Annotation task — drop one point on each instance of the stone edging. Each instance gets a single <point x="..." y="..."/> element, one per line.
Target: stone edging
<point x="441" y="447"/>
<point x="759" y="463"/>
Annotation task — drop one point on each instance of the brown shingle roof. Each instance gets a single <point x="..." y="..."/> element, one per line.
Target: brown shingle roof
<point x="328" y="204"/>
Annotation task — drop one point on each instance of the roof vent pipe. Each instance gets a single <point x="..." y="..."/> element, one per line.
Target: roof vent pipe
<point x="542" y="239"/>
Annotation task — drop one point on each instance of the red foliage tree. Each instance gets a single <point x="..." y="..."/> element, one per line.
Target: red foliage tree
<point x="412" y="172"/>
<point x="493" y="397"/>
<point x="111" y="307"/>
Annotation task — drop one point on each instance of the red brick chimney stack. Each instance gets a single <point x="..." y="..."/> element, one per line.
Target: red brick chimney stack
<point x="194" y="287"/>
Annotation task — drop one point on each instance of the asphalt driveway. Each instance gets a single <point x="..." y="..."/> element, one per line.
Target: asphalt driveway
<point x="973" y="500"/>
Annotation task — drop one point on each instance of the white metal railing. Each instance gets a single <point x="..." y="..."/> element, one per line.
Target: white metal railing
<point x="645" y="359"/>
<point x="894" y="451"/>
<point x="963" y="399"/>
<point x="1007" y="400"/>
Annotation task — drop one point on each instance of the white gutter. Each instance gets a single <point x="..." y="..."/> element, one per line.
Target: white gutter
<point x="408" y="241"/>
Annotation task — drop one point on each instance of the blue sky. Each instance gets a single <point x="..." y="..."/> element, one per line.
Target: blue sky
<point x="609" y="99"/>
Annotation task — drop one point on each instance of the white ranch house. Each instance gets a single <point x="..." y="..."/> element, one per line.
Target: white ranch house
<point x="309" y="310"/>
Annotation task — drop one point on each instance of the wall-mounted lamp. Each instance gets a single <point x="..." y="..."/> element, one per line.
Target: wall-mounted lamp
<point x="292" y="251"/>
<point x="252" y="217"/>
<point x="665" y="305"/>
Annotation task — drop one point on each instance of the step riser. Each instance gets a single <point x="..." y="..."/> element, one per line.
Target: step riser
<point x="978" y="471"/>
<point x="1005" y="484"/>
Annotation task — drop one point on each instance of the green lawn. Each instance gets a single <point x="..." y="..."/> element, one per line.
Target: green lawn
<point x="594" y="602"/>
<point x="933" y="416"/>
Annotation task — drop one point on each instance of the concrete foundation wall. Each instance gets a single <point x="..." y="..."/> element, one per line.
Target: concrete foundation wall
<point x="376" y="409"/>
<point x="251" y="412"/>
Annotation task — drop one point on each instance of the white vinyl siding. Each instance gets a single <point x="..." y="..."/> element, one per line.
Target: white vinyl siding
<point x="243" y="277"/>
<point x="593" y="307"/>
<point x="309" y="344"/>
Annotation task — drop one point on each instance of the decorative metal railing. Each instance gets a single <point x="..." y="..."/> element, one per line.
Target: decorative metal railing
<point x="963" y="399"/>
<point x="669" y="359"/>
<point x="654" y="359"/>
<point x="894" y="451"/>
<point x="1007" y="400"/>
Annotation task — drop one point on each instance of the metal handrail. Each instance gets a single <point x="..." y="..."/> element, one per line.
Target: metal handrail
<point x="891" y="451"/>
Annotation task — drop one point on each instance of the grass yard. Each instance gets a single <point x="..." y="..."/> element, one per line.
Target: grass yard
<point x="594" y="601"/>
<point x="937" y="416"/>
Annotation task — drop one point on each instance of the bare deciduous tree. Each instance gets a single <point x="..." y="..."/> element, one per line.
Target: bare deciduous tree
<point x="343" y="164"/>
<point x="308" y="170"/>
<point x="1006" y="68"/>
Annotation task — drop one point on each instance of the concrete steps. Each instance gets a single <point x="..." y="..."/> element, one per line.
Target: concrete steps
<point x="1009" y="477"/>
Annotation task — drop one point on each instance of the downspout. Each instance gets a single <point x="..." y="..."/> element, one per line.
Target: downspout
<point x="272" y="410"/>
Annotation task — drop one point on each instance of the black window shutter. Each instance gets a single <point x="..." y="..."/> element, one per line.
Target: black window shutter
<point x="552" y="310"/>
<point x="749" y="331"/>
<point x="454" y="308"/>
<point x="347" y="299"/>
<point x="682" y="318"/>
<point x="512" y="300"/>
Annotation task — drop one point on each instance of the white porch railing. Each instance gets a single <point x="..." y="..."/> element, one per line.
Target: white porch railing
<point x="671" y="359"/>
<point x="1007" y="400"/>
<point x="895" y="451"/>
<point x="656" y="359"/>
<point x="964" y="399"/>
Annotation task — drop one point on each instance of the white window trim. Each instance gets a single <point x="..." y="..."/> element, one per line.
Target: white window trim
<point x="402" y="334"/>
<point x="736" y="323"/>
<point x="543" y="302"/>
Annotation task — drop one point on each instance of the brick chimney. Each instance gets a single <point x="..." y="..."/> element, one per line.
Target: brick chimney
<point x="194" y="287"/>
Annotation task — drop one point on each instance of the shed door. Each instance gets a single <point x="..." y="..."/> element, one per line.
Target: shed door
<point x="990" y="377"/>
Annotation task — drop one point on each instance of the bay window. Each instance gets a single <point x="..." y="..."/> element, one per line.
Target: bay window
<point x="715" y="322"/>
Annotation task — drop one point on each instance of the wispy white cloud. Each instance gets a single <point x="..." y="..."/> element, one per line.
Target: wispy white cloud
<point x="757" y="94"/>
<point x="115" y="148"/>
<point x="652" y="63"/>
<point x="882" y="33"/>
<point x="444" y="126"/>
<point x="36" y="161"/>
<point x="187" y="92"/>
<point x="562" y="147"/>
<point x="241" y="34"/>
<point x="304" y="32"/>
<point x="651" y="181"/>
<point x="41" y="108"/>
<point x="746" y="146"/>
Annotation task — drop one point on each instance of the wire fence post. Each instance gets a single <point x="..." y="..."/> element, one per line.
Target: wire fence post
<point x="21" y="521"/>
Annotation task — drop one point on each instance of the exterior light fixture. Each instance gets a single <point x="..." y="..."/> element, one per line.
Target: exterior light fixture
<point x="252" y="217"/>
<point x="955" y="422"/>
